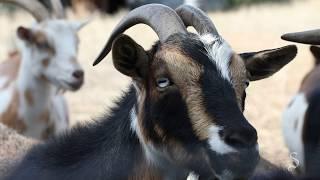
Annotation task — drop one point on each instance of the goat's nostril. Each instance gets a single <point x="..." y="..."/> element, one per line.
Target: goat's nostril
<point x="241" y="138"/>
<point x="78" y="74"/>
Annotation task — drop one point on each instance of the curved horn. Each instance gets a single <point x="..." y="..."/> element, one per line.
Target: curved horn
<point x="306" y="37"/>
<point x="192" y="16"/>
<point x="38" y="11"/>
<point x="162" y="19"/>
<point x="58" y="9"/>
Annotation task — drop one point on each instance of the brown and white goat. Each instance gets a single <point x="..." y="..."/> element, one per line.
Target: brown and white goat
<point x="31" y="80"/>
<point x="182" y="113"/>
<point x="301" y="119"/>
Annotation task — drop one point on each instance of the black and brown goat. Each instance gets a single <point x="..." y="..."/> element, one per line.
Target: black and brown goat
<point x="183" y="112"/>
<point x="301" y="119"/>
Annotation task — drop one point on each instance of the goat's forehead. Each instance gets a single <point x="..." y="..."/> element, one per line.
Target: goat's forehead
<point x="204" y="51"/>
<point x="57" y="32"/>
<point x="177" y="63"/>
<point x="58" y="25"/>
<point x="59" y="28"/>
<point x="220" y="52"/>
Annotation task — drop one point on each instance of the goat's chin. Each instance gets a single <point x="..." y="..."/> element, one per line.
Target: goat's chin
<point x="71" y="86"/>
<point x="67" y="85"/>
<point x="238" y="165"/>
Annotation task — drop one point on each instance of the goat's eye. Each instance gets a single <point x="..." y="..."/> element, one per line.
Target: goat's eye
<point x="163" y="82"/>
<point x="43" y="45"/>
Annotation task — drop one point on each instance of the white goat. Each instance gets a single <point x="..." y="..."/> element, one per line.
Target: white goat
<point x="30" y="81"/>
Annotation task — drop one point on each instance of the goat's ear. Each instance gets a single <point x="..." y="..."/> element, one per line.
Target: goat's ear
<point x="25" y="34"/>
<point x="315" y="50"/>
<point x="129" y="57"/>
<point x="265" y="63"/>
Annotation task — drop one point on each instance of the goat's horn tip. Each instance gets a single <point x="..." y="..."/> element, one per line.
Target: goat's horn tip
<point x="286" y="37"/>
<point x="95" y="63"/>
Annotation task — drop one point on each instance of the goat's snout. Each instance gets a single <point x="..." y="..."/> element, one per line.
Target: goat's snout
<point x="245" y="137"/>
<point x="78" y="74"/>
<point x="78" y="79"/>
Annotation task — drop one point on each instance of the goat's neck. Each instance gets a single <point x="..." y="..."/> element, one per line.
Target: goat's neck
<point x="34" y="92"/>
<point x="155" y="162"/>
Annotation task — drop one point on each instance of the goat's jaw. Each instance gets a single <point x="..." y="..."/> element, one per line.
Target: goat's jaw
<point x="72" y="86"/>
<point x="65" y="85"/>
<point x="223" y="163"/>
<point x="238" y="165"/>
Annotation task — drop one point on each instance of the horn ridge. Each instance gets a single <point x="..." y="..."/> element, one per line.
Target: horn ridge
<point x="192" y="16"/>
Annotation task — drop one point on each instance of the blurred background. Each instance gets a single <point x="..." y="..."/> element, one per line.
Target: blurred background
<point x="248" y="25"/>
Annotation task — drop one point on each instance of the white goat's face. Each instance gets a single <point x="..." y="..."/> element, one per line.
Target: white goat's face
<point x="53" y="48"/>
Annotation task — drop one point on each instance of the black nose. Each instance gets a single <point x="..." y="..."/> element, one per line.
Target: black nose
<point x="78" y="74"/>
<point x="244" y="137"/>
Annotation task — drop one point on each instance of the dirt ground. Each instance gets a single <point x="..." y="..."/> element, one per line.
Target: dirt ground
<point x="246" y="29"/>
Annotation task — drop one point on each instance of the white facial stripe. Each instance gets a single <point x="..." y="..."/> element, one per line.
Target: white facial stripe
<point x="134" y="121"/>
<point x="192" y="176"/>
<point x="219" y="52"/>
<point x="135" y="128"/>
<point x="292" y="125"/>
<point x="216" y="143"/>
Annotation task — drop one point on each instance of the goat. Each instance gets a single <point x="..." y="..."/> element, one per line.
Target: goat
<point x="31" y="82"/>
<point x="301" y="120"/>
<point x="12" y="148"/>
<point x="182" y="113"/>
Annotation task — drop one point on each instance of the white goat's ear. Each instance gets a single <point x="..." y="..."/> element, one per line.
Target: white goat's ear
<point x="77" y="25"/>
<point x="265" y="63"/>
<point x="25" y="34"/>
